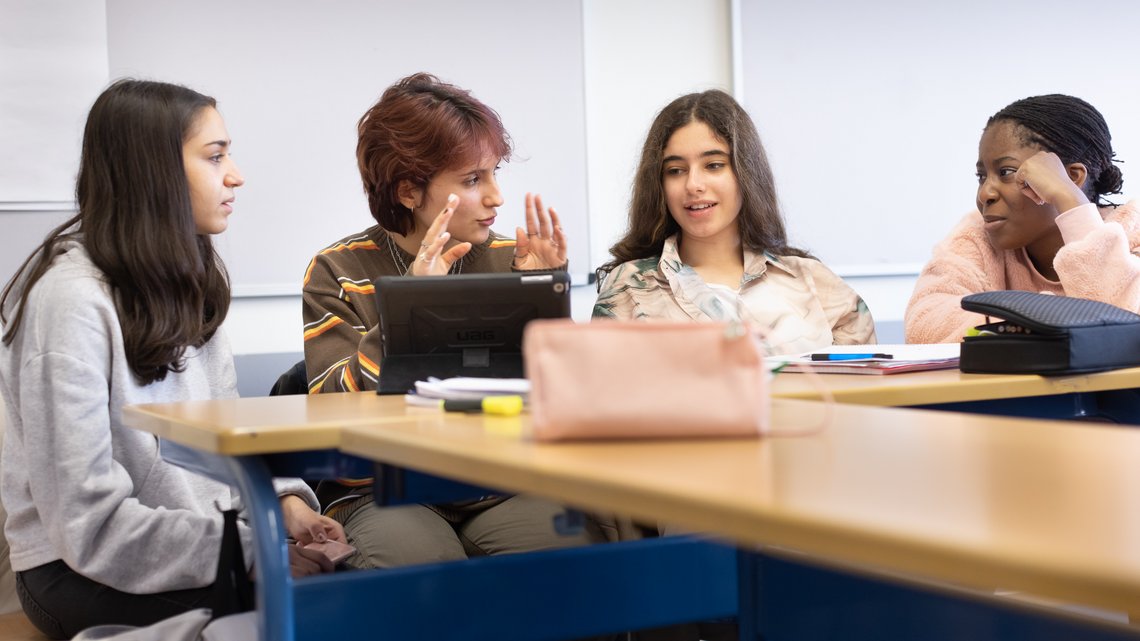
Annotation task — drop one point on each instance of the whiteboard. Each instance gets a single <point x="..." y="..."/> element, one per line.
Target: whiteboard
<point x="292" y="78"/>
<point x="52" y="66"/>
<point x="871" y="112"/>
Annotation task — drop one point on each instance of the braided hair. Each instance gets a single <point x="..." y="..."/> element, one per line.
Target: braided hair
<point x="1075" y="131"/>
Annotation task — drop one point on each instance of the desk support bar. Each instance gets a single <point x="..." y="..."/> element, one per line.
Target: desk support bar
<point x="274" y="582"/>
<point x="1112" y="406"/>
<point x="568" y="593"/>
<point x="802" y="601"/>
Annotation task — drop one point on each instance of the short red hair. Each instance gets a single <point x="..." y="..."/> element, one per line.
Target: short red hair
<point x="420" y="127"/>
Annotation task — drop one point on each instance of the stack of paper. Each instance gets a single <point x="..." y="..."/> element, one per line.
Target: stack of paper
<point x="871" y="359"/>
<point x="434" y="390"/>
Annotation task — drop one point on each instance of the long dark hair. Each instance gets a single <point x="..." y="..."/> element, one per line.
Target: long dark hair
<point x="419" y="127"/>
<point x="761" y="225"/>
<point x="1075" y="131"/>
<point x="135" y="219"/>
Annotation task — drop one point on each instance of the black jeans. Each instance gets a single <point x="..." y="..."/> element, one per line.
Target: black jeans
<point x="61" y="602"/>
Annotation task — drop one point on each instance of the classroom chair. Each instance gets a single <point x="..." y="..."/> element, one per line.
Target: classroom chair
<point x="294" y="381"/>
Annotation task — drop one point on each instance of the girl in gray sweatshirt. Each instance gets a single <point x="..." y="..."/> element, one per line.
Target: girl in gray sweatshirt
<point x="123" y="304"/>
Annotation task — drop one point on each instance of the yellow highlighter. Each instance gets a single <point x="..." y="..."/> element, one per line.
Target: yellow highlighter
<point x="497" y="405"/>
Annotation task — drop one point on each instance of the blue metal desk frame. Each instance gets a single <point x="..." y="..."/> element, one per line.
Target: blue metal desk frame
<point x="560" y="594"/>
<point x="1114" y="406"/>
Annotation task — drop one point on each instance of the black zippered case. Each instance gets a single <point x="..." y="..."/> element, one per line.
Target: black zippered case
<point x="1050" y="335"/>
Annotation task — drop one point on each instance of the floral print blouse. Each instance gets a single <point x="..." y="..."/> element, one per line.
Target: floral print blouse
<point x="800" y="304"/>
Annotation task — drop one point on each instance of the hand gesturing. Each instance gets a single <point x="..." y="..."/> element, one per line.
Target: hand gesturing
<point x="542" y="245"/>
<point x="432" y="259"/>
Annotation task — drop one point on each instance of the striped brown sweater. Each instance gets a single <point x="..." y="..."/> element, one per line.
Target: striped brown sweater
<point x="342" y="334"/>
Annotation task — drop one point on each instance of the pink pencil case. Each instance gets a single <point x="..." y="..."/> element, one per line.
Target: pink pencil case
<point x="629" y="379"/>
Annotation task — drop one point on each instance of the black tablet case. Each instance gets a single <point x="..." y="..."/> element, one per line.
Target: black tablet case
<point x="478" y="301"/>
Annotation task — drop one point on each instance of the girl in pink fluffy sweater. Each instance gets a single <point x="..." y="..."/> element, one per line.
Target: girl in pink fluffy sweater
<point x="1044" y="166"/>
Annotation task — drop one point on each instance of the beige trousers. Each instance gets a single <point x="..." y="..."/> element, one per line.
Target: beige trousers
<point x="387" y="537"/>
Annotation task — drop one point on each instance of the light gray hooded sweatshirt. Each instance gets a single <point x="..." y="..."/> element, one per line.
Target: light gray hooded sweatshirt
<point x="78" y="484"/>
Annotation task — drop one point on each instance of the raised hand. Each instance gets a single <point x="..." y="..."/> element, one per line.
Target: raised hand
<point x="542" y="245"/>
<point x="432" y="260"/>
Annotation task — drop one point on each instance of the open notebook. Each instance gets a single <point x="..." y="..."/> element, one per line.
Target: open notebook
<point x="870" y="359"/>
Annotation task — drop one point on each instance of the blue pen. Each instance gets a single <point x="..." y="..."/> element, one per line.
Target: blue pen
<point x="848" y="357"/>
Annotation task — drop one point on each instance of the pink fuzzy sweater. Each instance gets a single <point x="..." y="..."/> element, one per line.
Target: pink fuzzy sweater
<point x="1099" y="261"/>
